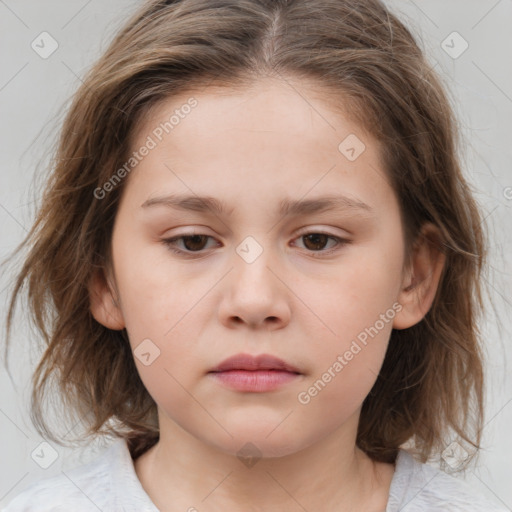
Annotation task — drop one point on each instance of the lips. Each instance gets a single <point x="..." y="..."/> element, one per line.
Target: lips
<point x="254" y="374"/>
<point x="254" y="363"/>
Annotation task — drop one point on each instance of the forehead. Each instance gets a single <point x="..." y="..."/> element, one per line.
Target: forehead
<point x="272" y="135"/>
<point x="304" y="109"/>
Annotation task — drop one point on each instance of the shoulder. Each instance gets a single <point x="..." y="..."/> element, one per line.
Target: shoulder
<point x="82" y="489"/>
<point x="51" y="494"/>
<point x="418" y="487"/>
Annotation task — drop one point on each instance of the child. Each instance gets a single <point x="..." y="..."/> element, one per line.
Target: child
<point x="260" y="369"/>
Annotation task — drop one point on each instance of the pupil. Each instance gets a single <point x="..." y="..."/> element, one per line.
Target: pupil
<point x="196" y="239"/>
<point x="317" y="238"/>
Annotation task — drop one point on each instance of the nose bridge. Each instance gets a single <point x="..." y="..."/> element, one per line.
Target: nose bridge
<point x="251" y="248"/>
<point x="252" y="262"/>
<point x="254" y="292"/>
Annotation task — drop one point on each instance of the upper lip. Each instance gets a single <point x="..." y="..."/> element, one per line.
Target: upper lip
<point x="249" y="362"/>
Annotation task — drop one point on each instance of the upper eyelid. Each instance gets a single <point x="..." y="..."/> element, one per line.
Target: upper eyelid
<point x="340" y="240"/>
<point x="299" y="234"/>
<point x="202" y="230"/>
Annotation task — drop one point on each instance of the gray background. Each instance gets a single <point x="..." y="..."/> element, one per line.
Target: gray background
<point x="33" y="91"/>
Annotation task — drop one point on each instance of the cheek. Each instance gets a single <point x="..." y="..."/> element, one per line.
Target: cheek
<point x="153" y="296"/>
<point x="355" y="295"/>
<point x="168" y="361"/>
<point x="356" y="306"/>
<point x="346" y="368"/>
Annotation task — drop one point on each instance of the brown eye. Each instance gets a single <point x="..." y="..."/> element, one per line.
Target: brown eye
<point x="193" y="243"/>
<point x="316" y="241"/>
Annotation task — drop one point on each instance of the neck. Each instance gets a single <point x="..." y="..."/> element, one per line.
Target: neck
<point x="181" y="472"/>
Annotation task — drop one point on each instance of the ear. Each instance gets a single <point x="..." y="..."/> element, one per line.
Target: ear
<point x="103" y="305"/>
<point x="422" y="277"/>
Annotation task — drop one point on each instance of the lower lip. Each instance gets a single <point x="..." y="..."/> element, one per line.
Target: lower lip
<point x="254" y="380"/>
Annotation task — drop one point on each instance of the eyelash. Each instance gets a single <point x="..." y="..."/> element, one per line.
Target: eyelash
<point x="340" y="242"/>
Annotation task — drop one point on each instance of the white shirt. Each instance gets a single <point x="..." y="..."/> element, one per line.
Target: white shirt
<point x="109" y="483"/>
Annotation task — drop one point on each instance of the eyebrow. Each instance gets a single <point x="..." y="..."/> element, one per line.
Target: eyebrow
<point x="287" y="207"/>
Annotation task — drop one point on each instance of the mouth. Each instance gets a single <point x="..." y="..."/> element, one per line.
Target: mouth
<point x="262" y="362"/>
<point x="262" y="373"/>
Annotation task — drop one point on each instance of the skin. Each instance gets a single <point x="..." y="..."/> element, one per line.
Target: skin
<point x="252" y="148"/>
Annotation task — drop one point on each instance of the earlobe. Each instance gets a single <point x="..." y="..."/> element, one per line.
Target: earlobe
<point x="423" y="278"/>
<point x="104" y="307"/>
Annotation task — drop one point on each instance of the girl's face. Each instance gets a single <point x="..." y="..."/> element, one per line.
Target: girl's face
<point x="253" y="282"/>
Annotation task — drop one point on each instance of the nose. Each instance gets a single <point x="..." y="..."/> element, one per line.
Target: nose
<point x="255" y="294"/>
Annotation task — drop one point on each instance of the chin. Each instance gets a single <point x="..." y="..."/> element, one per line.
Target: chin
<point x="254" y="441"/>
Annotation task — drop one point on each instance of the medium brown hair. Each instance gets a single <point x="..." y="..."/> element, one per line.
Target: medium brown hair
<point x="431" y="382"/>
